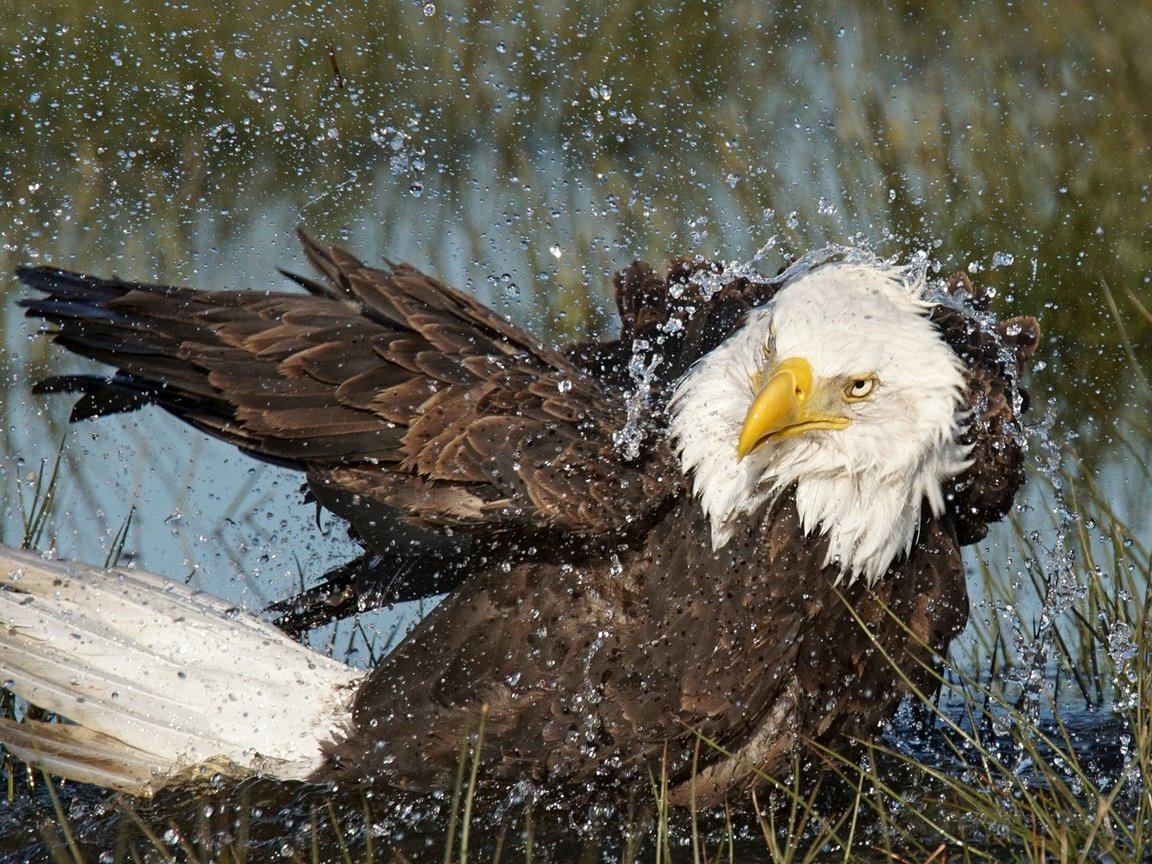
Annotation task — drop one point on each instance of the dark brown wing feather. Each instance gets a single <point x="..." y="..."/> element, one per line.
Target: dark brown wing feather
<point x="404" y="399"/>
<point x="387" y="384"/>
<point x="995" y="355"/>
<point x="678" y="316"/>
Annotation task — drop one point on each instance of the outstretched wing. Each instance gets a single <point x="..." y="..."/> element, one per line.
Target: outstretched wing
<point x="382" y="384"/>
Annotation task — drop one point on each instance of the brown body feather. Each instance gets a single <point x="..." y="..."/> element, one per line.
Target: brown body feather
<point x="608" y="669"/>
<point x="592" y="616"/>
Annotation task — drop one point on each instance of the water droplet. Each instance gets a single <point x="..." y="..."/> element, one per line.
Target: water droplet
<point x="511" y="289"/>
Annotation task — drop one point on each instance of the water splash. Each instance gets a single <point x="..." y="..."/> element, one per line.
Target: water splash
<point x="1063" y="587"/>
<point x="629" y="439"/>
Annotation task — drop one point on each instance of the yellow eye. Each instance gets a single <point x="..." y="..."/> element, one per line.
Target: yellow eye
<point x="860" y="388"/>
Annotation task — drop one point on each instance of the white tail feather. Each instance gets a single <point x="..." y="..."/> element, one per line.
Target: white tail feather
<point x="157" y="677"/>
<point x="80" y="754"/>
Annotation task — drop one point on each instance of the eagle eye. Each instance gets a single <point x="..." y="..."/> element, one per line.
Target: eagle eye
<point x="860" y="388"/>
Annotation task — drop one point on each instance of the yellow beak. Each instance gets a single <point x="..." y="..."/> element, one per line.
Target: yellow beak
<point x="789" y="403"/>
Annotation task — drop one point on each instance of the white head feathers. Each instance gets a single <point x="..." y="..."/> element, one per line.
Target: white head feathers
<point x="863" y="485"/>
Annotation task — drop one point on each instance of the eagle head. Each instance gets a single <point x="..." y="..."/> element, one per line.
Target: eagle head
<point x="841" y="389"/>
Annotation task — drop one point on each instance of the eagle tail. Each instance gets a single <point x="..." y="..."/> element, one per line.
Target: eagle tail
<point x="80" y="754"/>
<point x="157" y="679"/>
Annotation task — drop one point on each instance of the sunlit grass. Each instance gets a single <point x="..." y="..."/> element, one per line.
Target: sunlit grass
<point x="37" y="501"/>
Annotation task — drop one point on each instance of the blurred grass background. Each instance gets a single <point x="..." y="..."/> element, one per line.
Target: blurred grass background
<point x="527" y="150"/>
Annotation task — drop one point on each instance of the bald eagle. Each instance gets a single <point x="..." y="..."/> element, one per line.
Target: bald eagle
<point x="740" y="522"/>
